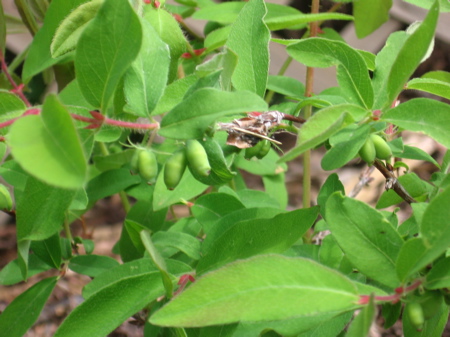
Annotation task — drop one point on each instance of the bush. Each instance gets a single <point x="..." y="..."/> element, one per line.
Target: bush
<point x="239" y="264"/>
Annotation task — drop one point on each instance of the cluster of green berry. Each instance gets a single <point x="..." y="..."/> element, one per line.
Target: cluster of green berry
<point x="375" y="147"/>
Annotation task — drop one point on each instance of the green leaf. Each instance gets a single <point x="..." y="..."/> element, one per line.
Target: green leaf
<point x="188" y="188"/>
<point x="259" y="289"/>
<point x="92" y="265"/>
<point x="415" y="186"/>
<point x="217" y="38"/>
<point x="115" y="34"/>
<point x="439" y="275"/>
<point x="422" y="115"/>
<point x="249" y="39"/>
<point x="109" y="183"/>
<point x="253" y="198"/>
<point x="367" y="238"/>
<point x="113" y="161"/>
<point x="266" y="166"/>
<point x="435" y="227"/>
<point x="48" y="146"/>
<point x="362" y="323"/>
<point x="352" y="73"/>
<point x="369" y="16"/>
<point x="134" y="268"/>
<point x="70" y="29"/>
<point x="439" y="75"/>
<point x="192" y="117"/>
<point x="404" y="61"/>
<point x="228" y="220"/>
<point x="39" y="56"/>
<point x="275" y="186"/>
<point x="290" y="20"/>
<point x="211" y="207"/>
<point x="181" y="241"/>
<point x="331" y="185"/>
<point x="322" y="125"/>
<point x="257" y="236"/>
<point x="434" y="240"/>
<point x="101" y="313"/>
<point x="10" y="106"/>
<point x="146" y="79"/>
<point x="173" y="94"/>
<point x="21" y="313"/>
<point x="11" y="273"/>
<point x="158" y="260"/>
<point x="444" y="5"/>
<point x="285" y="85"/>
<point x="41" y="210"/>
<point x="411" y="152"/>
<point x="352" y="139"/>
<point x="430" y="85"/>
<point x="49" y="250"/>
<point x="223" y="13"/>
<point x="170" y="32"/>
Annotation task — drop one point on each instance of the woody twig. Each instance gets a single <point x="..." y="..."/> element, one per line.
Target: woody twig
<point x="392" y="182"/>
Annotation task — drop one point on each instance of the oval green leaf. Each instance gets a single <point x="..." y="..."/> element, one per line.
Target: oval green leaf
<point x="367" y="238"/>
<point x="249" y="39"/>
<point x="21" y="313"/>
<point x="422" y="115"/>
<point x="193" y="116"/>
<point x="48" y="146"/>
<point x="115" y="34"/>
<point x="266" y="287"/>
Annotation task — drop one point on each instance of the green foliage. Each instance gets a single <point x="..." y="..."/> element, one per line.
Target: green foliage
<point x="140" y="97"/>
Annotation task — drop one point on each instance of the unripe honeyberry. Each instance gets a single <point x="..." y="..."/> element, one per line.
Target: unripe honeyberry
<point x="197" y="158"/>
<point x="251" y="152"/>
<point x="148" y="165"/>
<point x="367" y="151"/>
<point x="174" y="169"/>
<point x="5" y="198"/>
<point x="134" y="163"/>
<point x="415" y="314"/>
<point x="264" y="149"/>
<point x="382" y="149"/>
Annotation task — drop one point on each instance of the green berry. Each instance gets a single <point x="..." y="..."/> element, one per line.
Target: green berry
<point x="5" y="198"/>
<point x="251" y="152"/>
<point x="382" y="149"/>
<point x="264" y="149"/>
<point x="367" y="151"/>
<point x="148" y="165"/>
<point x="174" y="169"/>
<point x="134" y="163"/>
<point x="415" y="314"/>
<point x="197" y="158"/>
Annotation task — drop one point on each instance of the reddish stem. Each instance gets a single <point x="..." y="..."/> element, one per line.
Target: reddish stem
<point x="130" y="125"/>
<point x="364" y="299"/>
<point x="17" y="89"/>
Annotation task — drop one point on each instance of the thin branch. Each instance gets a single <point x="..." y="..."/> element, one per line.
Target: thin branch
<point x="392" y="182"/>
<point x="17" y="89"/>
<point x="364" y="179"/>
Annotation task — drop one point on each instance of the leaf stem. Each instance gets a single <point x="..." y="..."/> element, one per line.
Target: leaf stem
<point x="394" y="298"/>
<point x="17" y="89"/>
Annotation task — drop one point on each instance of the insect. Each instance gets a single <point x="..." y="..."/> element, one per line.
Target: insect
<point x="248" y="131"/>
